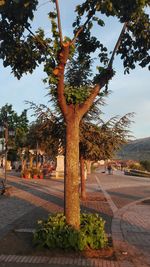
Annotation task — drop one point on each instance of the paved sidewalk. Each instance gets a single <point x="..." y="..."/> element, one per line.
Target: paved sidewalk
<point x="131" y="232"/>
<point x="131" y="229"/>
<point x="32" y="200"/>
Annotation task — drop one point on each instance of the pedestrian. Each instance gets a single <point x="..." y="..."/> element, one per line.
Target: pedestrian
<point x="109" y="168"/>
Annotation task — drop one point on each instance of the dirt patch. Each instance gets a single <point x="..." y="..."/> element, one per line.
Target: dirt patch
<point x="16" y="243"/>
<point x="105" y="253"/>
<point x="96" y="196"/>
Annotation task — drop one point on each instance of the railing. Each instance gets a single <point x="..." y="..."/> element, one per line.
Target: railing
<point x="133" y="172"/>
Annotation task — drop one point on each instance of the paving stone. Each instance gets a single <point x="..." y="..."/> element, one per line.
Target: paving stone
<point x="42" y="197"/>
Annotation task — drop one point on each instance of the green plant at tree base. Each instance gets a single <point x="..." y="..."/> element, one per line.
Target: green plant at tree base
<point x="56" y="233"/>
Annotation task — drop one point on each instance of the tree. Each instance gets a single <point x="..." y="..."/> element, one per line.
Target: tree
<point x="48" y="129"/>
<point x="100" y="142"/>
<point x="24" y="54"/>
<point x="17" y="123"/>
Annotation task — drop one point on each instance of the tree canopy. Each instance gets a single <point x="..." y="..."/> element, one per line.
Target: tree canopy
<point x="47" y="130"/>
<point x="24" y="50"/>
<point x="16" y="124"/>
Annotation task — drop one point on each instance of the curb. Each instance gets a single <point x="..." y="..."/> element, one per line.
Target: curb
<point x="59" y="260"/>
<point x="62" y="261"/>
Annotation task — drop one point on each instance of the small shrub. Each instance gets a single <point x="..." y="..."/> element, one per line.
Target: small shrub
<point x="136" y="166"/>
<point x="26" y="173"/>
<point x="56" y="233"/>
<point x="34" y="171"/>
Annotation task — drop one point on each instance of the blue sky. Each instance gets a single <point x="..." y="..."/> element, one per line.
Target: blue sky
<point x="130" y="93"/>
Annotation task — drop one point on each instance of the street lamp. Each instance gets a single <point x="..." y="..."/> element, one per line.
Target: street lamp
<point x="6" y="134"/>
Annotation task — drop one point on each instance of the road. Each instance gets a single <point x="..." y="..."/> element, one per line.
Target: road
<point x="119" y="189"/>
<point x="129" y="199"/>
<point x="124" y="189"/>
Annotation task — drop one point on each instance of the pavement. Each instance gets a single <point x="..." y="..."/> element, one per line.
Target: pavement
<point x="30" y="200"/>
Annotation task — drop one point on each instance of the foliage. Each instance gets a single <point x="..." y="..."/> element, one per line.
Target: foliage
<point x="78" y="71"/>
<point x="145" y="164"/>
<point x="12" y="155"/>
<point x="16" y="123"/>
<point x="25" y="53"/>
<point x="78" y="82"/>
<point x="135" y="42"/>
<point x="26" y="173"/>
<point x="97" y="141"/>
<point x="31" y="172"/>
<point x="78" y="78"/>
<point x="34" y="171"/>
<point x="22" y="54"/>
<point x="136" y="166"/>
<point x="55" y="233"/>
<point x="101" y="141"/>
<point x="47" y="130"/>
<point x="76" y="95"/>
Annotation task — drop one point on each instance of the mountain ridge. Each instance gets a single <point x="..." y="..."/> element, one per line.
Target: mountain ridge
<point x="138" y="149"/>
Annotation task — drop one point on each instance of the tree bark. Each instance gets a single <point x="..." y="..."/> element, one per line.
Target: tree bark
<point x="23" y="164"/>
<point x="72" y="204"/>
<point x="82" y="173"/>
<point x="89" y="163"/>
<point x="31" y="161"/>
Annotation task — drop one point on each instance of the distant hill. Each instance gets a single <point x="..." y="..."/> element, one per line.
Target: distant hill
<point x="138" y="149"/>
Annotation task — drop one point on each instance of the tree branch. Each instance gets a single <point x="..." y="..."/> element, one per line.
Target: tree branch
<point x="45" y="46"/>
<point x="83" y="108"/>
<point x="81" y="29"/>
<point x="37" y="38"/>
<point x="59" y="22"/>
<point x="117" y="46"/>
<point x="104" y="79"/>
<point x="61" y="97"/>
<point x="59" y="73"/>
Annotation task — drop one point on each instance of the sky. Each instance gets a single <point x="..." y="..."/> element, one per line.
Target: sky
<point x="129" y="93"/>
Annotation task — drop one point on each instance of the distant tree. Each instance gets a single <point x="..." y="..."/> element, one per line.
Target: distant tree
<point x="18" y="124"/>
<point x="48" y="129"/>
<point x="145" y="164"/>
<point x="100" y="142"/>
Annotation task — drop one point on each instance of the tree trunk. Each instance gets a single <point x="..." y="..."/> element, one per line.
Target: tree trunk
<point x="23" y="164"/>
<point x="31" y="161"/>
<point x="82" y="173"/>
<point x="89" y="166"/>
<point x="72" y="203"/>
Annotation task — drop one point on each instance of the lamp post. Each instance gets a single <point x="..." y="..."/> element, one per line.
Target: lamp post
<point x="6" y="151"/>
<point x="6" y="134"/>
<point x="37" y="158"/>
